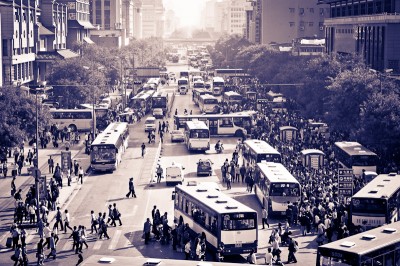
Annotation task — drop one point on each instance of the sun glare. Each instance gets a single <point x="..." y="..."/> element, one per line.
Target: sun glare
<point x="188" y="12"/>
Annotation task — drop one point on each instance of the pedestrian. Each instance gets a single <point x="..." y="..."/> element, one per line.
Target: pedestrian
<point x="251" y="258"/>
<point x="50" y="162"/>
<point x="143" y="149"/>
<point x="93" y="222"/>
<point x="292" y="248"/>
<point x="117" y="215"/>
<point x="268" y="257"/>
<point x="82" y="238"/>
<point x="59" y="219"/>
<point x="162" y="136"/>
<point x="110" y="215"/>
<point x="47" y="233"/>
<point x="228" y="180"/>
<point x="146" y="231"/>
<point x="75" y="239"/>
<point x="52" y="245"/>
<point x="13" y="187"/>
<point x="17" y="257"/>
<point x="76" y="168"/>
<point x="159" y="172"/>
<point x="103" y="226"/>
<point x="39" y="252"/>
<point x="188" y="248"/>
<point x="131" y="188"/>
<point x="80" y="174"/>
<point x="264" y="215"/>
<point x="67" y="220"/>
<point x="69" y="177"/>
<point x="15" y="236"/>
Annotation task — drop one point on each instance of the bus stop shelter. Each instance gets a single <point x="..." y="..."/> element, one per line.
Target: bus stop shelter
<point x="288" y="133"/>
<point x="312" y="158"/>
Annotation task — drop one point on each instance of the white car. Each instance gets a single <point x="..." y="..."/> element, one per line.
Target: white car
<point x="174" y="174"/>
<point x="177" y="135"/>
<point x="158" y="113"/>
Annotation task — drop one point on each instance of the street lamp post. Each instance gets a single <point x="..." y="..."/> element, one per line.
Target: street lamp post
<point x="37" y="158"/>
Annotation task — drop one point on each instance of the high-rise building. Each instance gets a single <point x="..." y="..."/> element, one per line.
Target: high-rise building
<point x="237" y="17"/>
<point x="368" y="28"/>
<point x="107" y="15"/>
<point x="18" y="22"/>
<point x="152" y="18"/>
<point x="131" y="18"/>
<point x="282" y="21"/>
<point x="171" y="21"/>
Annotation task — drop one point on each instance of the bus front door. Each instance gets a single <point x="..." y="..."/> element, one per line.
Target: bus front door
<point x="213" y="126"/>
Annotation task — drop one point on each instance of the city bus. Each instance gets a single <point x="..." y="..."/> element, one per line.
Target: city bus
<point x="183" y="85"/>
<point x="218" y="84"/>
<point x="255" y="151"/>
<point x="197" y="93"/>
<point x="160" y="100"/>
<point x="142" y="101"/>
<point x="378" y="246"/>
<point x="208" y="104"/>
<point x="226" y="73"/>
<point x="197" y="136"/>
<point x="198" y="84"/>
<point x="184" y="74"/>
<point x="74" y="119"/>
<point x="232" y="97"/>
<point x="277" y="101"/>
<point x="233" y="124"/>
<point x="222" y="218"/>
<point x="154" y="83"/>
<point x="107" y="149"/>
<point x="275" y="186"/>
<point x="378" y="202"/>
<point x="353" y="155"/>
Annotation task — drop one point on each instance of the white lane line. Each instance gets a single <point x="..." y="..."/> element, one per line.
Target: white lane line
<point x="129" y="239"/>
<point x="67" y="245"/>
<point x="114" y="239"/>
<point x="29" y="238"/>
<point x="97" y="244"/>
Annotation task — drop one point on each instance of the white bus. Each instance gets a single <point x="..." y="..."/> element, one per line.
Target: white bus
<point x="232" y="97"/>
<point x="198" y="84"/>
<point x="197" y="136"/>
<point x="220" y="217"/>
<point x="143" y="101"/>
<point x="108" y="147"/>
<point x="354" y="156"/>
<point x="183" y="85"/>
<point x="233" y="124"/>
<point x="74" y="119"/>
<point x="275" y="187"/>
<point x="218" y="84"/>
<point x="255" y="151"/>
<point x="208" y="104"/>
<point x="378" y="202"/>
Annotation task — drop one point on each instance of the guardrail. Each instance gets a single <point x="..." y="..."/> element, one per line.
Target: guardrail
<point x="171" y="104"/>
<point x="153" y="168"/>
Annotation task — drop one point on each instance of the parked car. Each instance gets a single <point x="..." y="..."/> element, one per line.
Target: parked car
<point x="150" y="124"/>
<point x="177" y="135"/>
<point x="174" y="174"/>
<point x="158" y="113"/>
<point x="204" y="167"/>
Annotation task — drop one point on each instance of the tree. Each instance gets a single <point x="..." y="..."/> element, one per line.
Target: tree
<point x="18" y="116"/>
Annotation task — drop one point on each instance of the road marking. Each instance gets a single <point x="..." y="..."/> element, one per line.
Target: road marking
<point x="115" y="239"/>
<point x="129" y="239"/>
<point x="29" y="238"/>
<point x="97" y="244"/>
<point x="67" y="245"/>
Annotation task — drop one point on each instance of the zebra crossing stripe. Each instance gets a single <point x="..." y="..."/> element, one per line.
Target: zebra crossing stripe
<point x="97" y="244"/>
<point x="29" y="238"/>
<point x="67" y="245"/>
<point x="114" y="239"/>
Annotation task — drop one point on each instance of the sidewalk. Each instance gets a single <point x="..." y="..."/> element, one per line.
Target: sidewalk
<point x="24" y="182"/>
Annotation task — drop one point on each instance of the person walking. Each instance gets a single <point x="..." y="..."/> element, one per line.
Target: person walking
<point x="39" y="252"/>
<point x="292" y="248"/>
<point x="264" y="215"/>
<point x="59" y="219"/>
<point x="117" y="215"/>
<point x="159" y="172"/>
<point x="67" y="220"/>
<point x="50" y="162"/>
<point x="52" y="246"/>
<point x="228" y="180"/>
<point x="80" y="174"/>
<point x="47" y="233"/>
<point x="110" y="215"/>
<point x="75" y="239"/>
<point x="131" y="188"/>
<point x="93" y="222"/>
<point x="143" y="147"/>
<point x="146" y="231"/>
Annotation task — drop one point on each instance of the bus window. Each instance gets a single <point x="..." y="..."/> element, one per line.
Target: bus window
<point x="225" y="122"/>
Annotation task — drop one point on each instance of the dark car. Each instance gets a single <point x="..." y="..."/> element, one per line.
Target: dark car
<point x="204" y="167"/>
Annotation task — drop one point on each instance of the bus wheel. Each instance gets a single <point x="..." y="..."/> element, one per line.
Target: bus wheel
<point x="73" y="128"/>
<point x="239" y="134"/>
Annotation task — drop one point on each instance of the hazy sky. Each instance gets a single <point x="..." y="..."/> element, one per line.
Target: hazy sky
<point x="188" y="11"/>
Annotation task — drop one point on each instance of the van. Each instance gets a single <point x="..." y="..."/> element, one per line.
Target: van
<point x="174" y="174"/>
<point x="150" y="124"/>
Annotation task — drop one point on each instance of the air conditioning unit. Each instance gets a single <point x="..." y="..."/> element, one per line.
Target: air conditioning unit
<point x="321" y="28"/>
<point x="301" y="28"/>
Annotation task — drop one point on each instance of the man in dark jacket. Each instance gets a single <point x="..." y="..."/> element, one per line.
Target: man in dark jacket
<point x="131" y="188"/>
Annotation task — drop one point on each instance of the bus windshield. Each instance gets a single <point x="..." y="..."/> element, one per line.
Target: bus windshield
<point x="199" y="134"/>
<point x="159" y="102"/>
<point x="182" y="82"/>
<point x="218" y="84"/>
<point x="365" y="205"/>
<point x="238" y="221"/>
<point x="210" y="101"/>
<point x="269" y="158"/>
<point x="285" y="189"/>
<point x="364" y="160"/>
<point x="102" y="153"/>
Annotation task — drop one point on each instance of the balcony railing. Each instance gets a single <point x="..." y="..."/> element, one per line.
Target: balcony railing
<point x="377" y="18"/>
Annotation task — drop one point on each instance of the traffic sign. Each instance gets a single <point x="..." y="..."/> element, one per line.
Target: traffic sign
<point x="345" y="182"/>
<point x="36" y="172"/>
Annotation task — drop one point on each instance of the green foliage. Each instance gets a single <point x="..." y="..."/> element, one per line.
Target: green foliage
<point x="18" y="116"/>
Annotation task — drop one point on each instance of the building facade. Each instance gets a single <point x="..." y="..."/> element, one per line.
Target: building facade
<point x="152" y="18"/>
<point x="18" y="21"/>
<point x="368" y="28"/>
<point x="282" y="21"/>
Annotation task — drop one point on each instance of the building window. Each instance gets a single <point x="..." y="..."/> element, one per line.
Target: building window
<point x="321" y="11"/>
<point x="5" y="47"/>
<point x="311" y="10"/>
<point x="291" y="10"/>
<point x="301" y="11"/>
<point x="311" y="24"/>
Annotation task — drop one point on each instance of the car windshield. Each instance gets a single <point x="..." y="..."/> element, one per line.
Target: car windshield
<point x="176" y="132"/>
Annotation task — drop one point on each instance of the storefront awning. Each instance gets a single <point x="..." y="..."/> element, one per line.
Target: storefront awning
<point x="43" y="30"/>
<point x="49" y="56"/>
<point x="67" y="53"/>
<point x="88" y="40"/>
